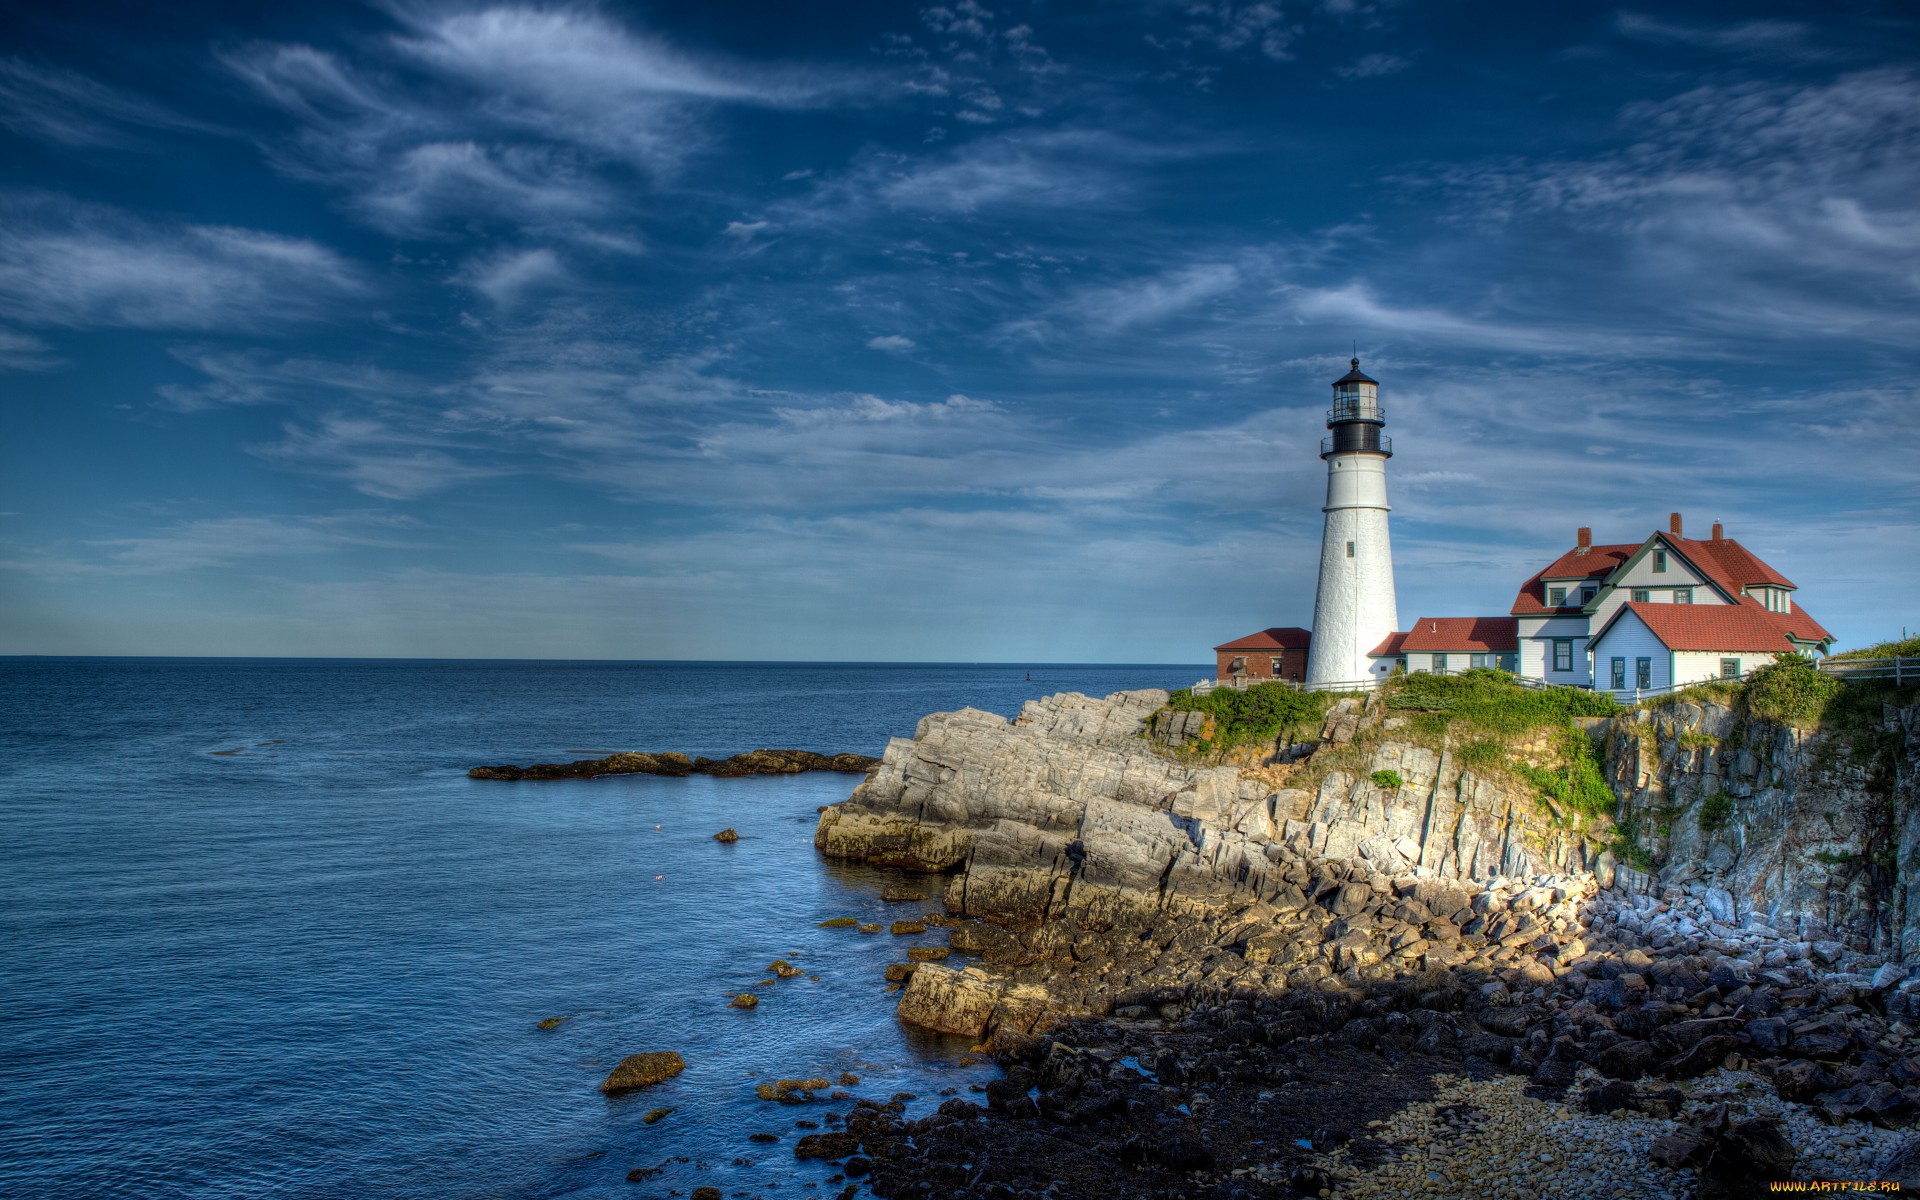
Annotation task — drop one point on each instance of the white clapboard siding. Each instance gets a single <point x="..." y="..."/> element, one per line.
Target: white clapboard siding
<point x="1629" y="639"/>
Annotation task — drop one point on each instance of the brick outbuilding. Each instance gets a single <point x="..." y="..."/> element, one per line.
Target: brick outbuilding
<point x="1269" y="654"/>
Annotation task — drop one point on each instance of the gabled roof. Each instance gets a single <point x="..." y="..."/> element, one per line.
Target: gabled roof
<point x="1395" y="643"/>
<point x="1469" y="634"/>
<point x="1580" y="563"/>
<point x="1707" y="627"/>
<point x="1734" y="561"/>
<point x="1288" y="638"/>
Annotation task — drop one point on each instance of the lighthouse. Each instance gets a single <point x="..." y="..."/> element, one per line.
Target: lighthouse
<point x="1353" y="610"/>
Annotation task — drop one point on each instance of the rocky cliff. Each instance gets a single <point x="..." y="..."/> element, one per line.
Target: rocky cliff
<point x="1813" y="831"/>
<point x="1070" y="811"/>
<point x="1206" y="977"/>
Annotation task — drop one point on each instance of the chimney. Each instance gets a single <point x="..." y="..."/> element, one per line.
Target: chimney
<point x="1586" y="538"/>
<point x="1718" y="533"/>
<point x="1673" y="522"/>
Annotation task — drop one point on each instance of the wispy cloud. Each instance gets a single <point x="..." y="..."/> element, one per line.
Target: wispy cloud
<point x="71" y="264"/>
<point x="72" y="109"/>
<point x="505" y="278"/>
<point x="1756" y="36"/>
<point x="893" y="342"/>
<point x="24" y="352"/>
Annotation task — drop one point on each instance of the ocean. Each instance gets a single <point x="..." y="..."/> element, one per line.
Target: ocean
<point x="260" y="935"/>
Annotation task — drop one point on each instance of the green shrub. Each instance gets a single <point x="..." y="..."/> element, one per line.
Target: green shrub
<point x="1791" y="690"/>
<point x="1714" y="811"/>
<point x="1579" y="785"/>
<point x="1482" y="754"/>
<point x="1489" y="701"/>
<point x="1907" y="648"/>
<point x="1387" y="779"/>
<point x="1257" y="714"/>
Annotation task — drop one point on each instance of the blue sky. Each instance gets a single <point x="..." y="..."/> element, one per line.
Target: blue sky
<point x="964" y="332"/>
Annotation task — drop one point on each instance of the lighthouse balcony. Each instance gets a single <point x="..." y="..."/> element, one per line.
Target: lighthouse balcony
<point x="1356" y="438"/>
<point x="1357" y="409"/>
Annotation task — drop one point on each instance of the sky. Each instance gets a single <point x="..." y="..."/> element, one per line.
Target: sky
<point x="971" y="332"/>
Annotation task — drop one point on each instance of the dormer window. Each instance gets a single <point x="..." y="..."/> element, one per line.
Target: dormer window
<point x="1659" y="560"/>
<point x="1556" y="597"/>
<point x="1588" y="593"/>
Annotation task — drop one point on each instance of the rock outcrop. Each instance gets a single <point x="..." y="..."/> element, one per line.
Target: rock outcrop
<point x="675" y="764"/>
<point x="1068" y="812"/>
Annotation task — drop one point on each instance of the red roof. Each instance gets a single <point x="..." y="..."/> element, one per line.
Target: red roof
<point x="1471" y="634"/>
<point x="1594" y="562"/>
<point x="1708" y="626"/>
<point x="1395" y="643"/>
<point x="1289" y="638"/>
<point x="1726" y="563"/>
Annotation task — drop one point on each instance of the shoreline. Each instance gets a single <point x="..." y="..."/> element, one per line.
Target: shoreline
<point x="1191" y="997"/>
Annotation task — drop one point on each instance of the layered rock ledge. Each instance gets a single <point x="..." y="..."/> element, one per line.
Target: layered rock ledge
<point x="675" y="764"/>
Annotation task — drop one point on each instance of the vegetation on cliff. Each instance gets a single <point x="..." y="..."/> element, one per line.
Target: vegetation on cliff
<point x="1255" y="715"/>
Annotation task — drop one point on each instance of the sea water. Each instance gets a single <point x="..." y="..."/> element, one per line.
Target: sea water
<point x="260" y="935"/>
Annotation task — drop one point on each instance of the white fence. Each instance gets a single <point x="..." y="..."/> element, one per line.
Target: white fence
<point x="1901" y="670"/>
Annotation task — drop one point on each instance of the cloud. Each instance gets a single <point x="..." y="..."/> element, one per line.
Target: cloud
<point x="891" y="342"/>
<point x="71" y="109"/>
<point x="745" y="230"/>
<point x="379" y="458"/>
<point x="78" y="265"/>
<point x="24" y="352"/>
<point x="219" y="542"/>
<point x="253" y="377"/>
<point x="1755" y="209"/>
<point x="1757" y="36"/>
<point x="505" y="277"/>
<point x="1373" y="66"/>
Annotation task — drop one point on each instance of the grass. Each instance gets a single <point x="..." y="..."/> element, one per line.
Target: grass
<point x="1693" y="739"/>
<point x="1259" y="714"/>
<point x="1390" y="780"/>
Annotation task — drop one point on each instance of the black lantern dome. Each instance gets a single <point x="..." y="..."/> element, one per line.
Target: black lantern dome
<point x="1356" y="417"/>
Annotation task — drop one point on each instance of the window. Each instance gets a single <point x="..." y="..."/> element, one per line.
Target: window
<point x="1237" y="667"/>
<point x="1556" y="597"/>
<point x="1349" y="549"/>
<point x="1729" y="668"/>
<point x="1659" y="560"/>
<point x="1563" y="654"/>
<point x="1588" y="593"/>
<point x="1643" y="673"/>
<point x="1440" y="663"/>
<point x="1277" y="665"/>
<point x="1683" y="595"/>
<point x="1642" y="595"/>
<point x="1476" y="662"/>
<point x="1619" y="674"/>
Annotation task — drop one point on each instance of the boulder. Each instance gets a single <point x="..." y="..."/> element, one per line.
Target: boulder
<point x="643" y="1070"/>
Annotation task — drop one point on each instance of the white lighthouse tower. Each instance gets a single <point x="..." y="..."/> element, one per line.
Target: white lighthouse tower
<point x="1354" y="610"/>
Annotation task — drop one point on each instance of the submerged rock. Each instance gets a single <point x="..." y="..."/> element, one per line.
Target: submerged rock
<point x="643" y="1070"/>
<point x="744" y="1000"/>
<point x="673" y="763"/>
<point x="726" y="835"/>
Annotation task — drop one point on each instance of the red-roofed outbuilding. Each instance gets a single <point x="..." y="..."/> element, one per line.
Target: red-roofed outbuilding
<point x="1278" y="653"/>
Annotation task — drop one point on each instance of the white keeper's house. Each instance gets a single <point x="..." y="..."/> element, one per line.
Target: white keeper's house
<point x="1630" y="617"/>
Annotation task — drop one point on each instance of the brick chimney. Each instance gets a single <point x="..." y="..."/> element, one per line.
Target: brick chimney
<point x="1718" y="533"/>
<point x="1673" y="523"/>
<point x="1585" y="538"/>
